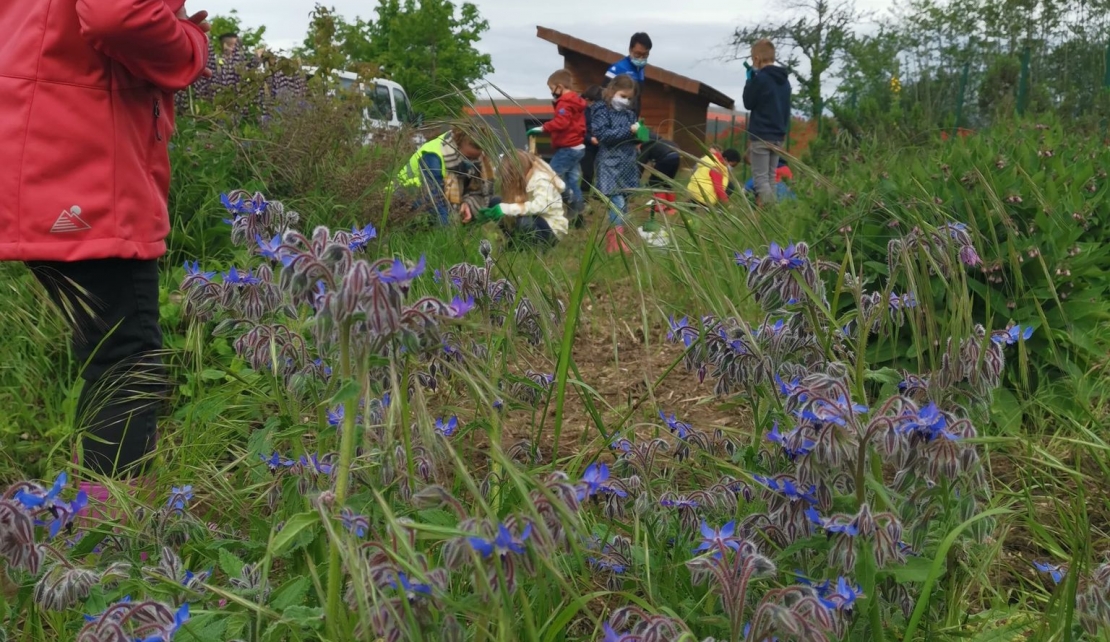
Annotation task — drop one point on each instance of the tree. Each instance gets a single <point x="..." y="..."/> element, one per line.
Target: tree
<point x="427" y="46"/>
<point x="820" y="30"/>
<point x="250" y="39"/>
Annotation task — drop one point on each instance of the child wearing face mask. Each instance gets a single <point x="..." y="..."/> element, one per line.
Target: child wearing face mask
<point x="568" y="138"/>
<point x="615" y="126"/>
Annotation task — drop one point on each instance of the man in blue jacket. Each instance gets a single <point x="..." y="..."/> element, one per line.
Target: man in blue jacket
<point x="767" y="97"/>
<point x="639" y="48"/>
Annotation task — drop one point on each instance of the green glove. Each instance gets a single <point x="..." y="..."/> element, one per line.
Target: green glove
<point x="535" y="131"/>
<point x="643" y="133"/>
<point x="489" y="214"/>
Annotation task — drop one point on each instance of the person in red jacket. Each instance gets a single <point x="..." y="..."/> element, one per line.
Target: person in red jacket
<point x="86" y="112"/>
<point x="568" y="138"/>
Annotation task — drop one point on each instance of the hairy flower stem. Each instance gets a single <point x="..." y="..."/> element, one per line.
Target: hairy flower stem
<point x="869" y="576"/>
<point x="342" y="482"/>
<point x="406" y="433"/>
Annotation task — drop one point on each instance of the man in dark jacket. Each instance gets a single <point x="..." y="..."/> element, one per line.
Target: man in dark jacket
<point x="767" y="98"/>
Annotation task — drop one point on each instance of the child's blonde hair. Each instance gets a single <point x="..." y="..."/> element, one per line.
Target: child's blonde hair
<point x="618" y="84"/>
<point x="561" y="77"/>
<point x="513" y="173"/>
<point x="764" y="50"/>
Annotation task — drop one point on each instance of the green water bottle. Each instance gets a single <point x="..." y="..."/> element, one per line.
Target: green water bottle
<point x="643" y="133"/>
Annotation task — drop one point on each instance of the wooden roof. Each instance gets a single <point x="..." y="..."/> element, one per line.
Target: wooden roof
<point x="651" y="72"/>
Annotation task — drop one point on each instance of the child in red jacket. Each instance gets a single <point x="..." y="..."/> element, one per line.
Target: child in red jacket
<point x="88" y="109"/>
<point x="568" y="138"/>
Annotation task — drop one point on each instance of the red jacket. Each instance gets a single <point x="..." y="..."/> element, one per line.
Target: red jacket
<point x="86" y="110"/>
<point x="568" y="128"/>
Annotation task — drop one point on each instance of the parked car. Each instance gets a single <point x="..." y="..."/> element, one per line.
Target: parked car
<point x="389" y="106"/>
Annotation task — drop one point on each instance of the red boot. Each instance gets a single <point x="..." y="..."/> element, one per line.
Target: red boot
<point x="659" y="202"/>
<point x="670" y="210"/>
<point x="614" y="241"/>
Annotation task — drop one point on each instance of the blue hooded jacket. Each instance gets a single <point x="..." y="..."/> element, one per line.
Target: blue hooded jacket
<point x="767" y="97"/>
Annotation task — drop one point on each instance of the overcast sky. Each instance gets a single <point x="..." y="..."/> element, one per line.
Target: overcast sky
<point x="689" y="41"/>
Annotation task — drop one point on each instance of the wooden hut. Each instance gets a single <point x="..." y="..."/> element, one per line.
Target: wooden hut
<point x="671" y="104"/>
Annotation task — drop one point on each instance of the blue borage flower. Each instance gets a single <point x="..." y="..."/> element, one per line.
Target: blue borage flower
<point x="607" y="565"/>
<point x="361" y="237"/>
<point x="748" y="259"/>
<point x="716" y="540"/>
<point x="681" y="429"/>
<point x="241" y="279"/>
<point x="928" y="422"/>
<point x="271" y="250"/>
<point x="903" y="302"/>
<point x="840" y="596"/>
<point x="787" y="389"/>
<point x="1056" y="571"/>
<point x="312" y="464"/>
<point x="794" y="444"/>
<point x="244" y="205"/>
<point x="179" y="498"/>
<point x="679" y="502"/>
<point x="276" y="461"/>
<point x="447" y="427"/>
<point x="39" y="500"/>
<point x="503" y="543"/>
<point x="357" y="524"/>
<point x="401" y="275"/>
<point x="459" y="307"/>
<point x="788" y="488"/>
<point x="596" y="481"/>
<point x="1011" y="335"/>
<point x="785" y="257"/>
<point x="193" y="271"/>
<point x="823" y="411"/>
<point x="411" y="589"/>
<point x="681" y="330"/>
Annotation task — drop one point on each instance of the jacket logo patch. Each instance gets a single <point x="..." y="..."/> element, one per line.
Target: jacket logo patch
<point x="70" y="221"/>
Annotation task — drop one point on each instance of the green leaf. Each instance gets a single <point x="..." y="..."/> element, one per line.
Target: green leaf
<point x="292" y="594"/>
<point x="209" y="627"/>
<point x="348" y="394"/>
<point x="310" y="617"/>
<point x="437" y="517"/>
<point x="936" y="568"/>
<point x="883" y="375"/>
<point x="915" y="570"/>
<point x="212" y="374"/>
<point x="229" y="564"/>
<point x="1006" y="412"/>
<point x="293" y="535"/>
<point x="558" y="625"/>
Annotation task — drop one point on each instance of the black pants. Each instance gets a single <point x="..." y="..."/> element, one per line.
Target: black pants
<point x="668" y="167"/>
<point x="112" y="308"/>
<point x="528" y="231"/>
<point x="589" y="171"/>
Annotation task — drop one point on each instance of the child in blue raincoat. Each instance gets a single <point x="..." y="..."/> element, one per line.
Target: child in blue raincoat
<point x="618" y="172"/>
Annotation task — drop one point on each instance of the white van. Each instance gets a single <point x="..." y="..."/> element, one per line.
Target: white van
<point x="389" y="104"/>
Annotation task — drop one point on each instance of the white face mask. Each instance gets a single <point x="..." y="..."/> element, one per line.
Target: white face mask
<point x="621" y="103"/>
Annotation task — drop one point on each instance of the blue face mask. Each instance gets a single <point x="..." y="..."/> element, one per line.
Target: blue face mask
<point x="639" y="63"/>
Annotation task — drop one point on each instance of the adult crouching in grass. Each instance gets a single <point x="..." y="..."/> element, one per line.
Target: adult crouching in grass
<point x="449" y="173"/>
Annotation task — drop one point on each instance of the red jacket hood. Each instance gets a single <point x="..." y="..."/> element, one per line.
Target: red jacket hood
<point x="570" y="99"/>
<point x="568" y="127"/>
